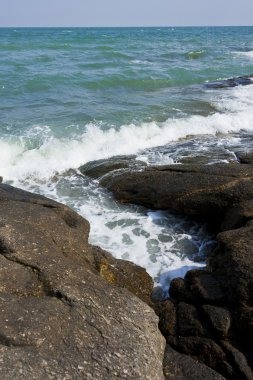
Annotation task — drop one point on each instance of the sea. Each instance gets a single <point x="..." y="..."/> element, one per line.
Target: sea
<point x="69" y="96"/>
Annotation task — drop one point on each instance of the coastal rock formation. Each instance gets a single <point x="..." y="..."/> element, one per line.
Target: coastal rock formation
<point x="245" y="157"/>
<point x="206" y="191"/>
<point x="183" y="367"/>
<point x="209" y="315"/>
<point x="99" y="168"/>
<point x="231" y="82"/>
<point x="68" y="310"/>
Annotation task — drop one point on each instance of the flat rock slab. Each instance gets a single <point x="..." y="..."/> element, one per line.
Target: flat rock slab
<point x="60" y="316"/>
<point x="196" y="190"/>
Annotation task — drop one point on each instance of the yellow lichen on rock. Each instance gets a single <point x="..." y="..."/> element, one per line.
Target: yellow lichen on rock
<point x="106" y="272"/>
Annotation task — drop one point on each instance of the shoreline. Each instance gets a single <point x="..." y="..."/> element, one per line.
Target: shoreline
<point x="206" y="320"/>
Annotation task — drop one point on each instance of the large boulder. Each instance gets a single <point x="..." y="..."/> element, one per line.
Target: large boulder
<point x="205" y="191"/>
<point x="66" y="312"/>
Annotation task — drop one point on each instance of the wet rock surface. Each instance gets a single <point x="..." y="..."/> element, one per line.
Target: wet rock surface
<point x="69" y="310"/>
<point x="231" y="82"/>
<point x="206" y="191"/>
<point x="245" y="157"/>
<point x="98" y="168"/>
<point x="209" y="315"/>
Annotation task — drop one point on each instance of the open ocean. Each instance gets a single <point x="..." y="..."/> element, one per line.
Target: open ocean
<point x="72" y="95"/>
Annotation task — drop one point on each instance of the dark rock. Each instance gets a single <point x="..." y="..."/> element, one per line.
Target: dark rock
<point x="157" y="294"/>
<point x="60" y="318"/>
<point x="233" y="263"/>
<point x="188" y="321"/>
<point x="179" y="291"/>
<point x="208" y="352"/>
<point x="237" y="215"/>
<point x="200" y="191"/>
<point x="231" y="82"/>
<point x="167" y="317"/>
<point x="245" y="158"/>
<point x="203" y="286"/>
<point x="240" y="363"/>
<point x="183" y="367"/>
<point x="203" y="349"/>
<point x="99" y="168"/>
<point x="244" y="324"/>
<point x="215" y="303"/>
<point x="218" y="318"/>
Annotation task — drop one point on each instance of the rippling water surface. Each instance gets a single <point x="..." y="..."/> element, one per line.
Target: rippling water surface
<point x="69" y="96"/>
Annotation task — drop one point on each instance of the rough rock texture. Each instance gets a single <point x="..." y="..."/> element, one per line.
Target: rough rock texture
<point x="232" y="264"/>
<point x="124" y="274"/>
<point x="61" y="317"/>
<point x="210" y="313"/>
<point x="183" y="367"/>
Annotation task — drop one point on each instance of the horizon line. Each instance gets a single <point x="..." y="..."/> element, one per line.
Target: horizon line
<point x="126" y="26"/>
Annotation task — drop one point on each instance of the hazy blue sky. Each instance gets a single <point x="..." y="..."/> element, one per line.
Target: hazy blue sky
<point x="125" y="12"/>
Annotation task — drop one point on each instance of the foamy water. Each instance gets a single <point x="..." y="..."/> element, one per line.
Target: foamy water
<point x="165" y="244"/>
<point x="113" y="92"/>
<point x="248" y="54"/>
<point x="56" y="155"/>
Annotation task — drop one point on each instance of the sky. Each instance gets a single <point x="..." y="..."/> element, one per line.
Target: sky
<point x="125" y="12"/>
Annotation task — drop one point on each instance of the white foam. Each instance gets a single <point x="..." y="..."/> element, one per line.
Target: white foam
<point x="141" y="62"/>
<point x="124" y="231"/>
<point x="56" y="155"/>
<point x="248" y="54"/>
<point x="236" y="100"/>
<point x="147" y="239"/>
<point x="9" y="152"/>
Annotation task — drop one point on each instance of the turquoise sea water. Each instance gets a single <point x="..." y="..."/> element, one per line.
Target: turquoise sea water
<point x="73" y="95"/>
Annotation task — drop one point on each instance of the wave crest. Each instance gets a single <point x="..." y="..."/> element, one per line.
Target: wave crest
<point x="20" y="160"/>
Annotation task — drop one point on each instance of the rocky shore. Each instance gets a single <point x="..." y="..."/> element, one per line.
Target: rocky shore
<point x="208" y="315"/>
<point x="72" y="311"/>
<point x="69" y="310"/>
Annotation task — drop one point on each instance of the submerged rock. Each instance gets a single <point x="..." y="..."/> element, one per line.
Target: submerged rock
<point x="231" y="82"/>
<point x="60" y="316"/>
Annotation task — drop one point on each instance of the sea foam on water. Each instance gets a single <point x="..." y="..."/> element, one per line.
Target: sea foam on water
<point x="126" y="91"/>
<point x="56" y="155"/>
